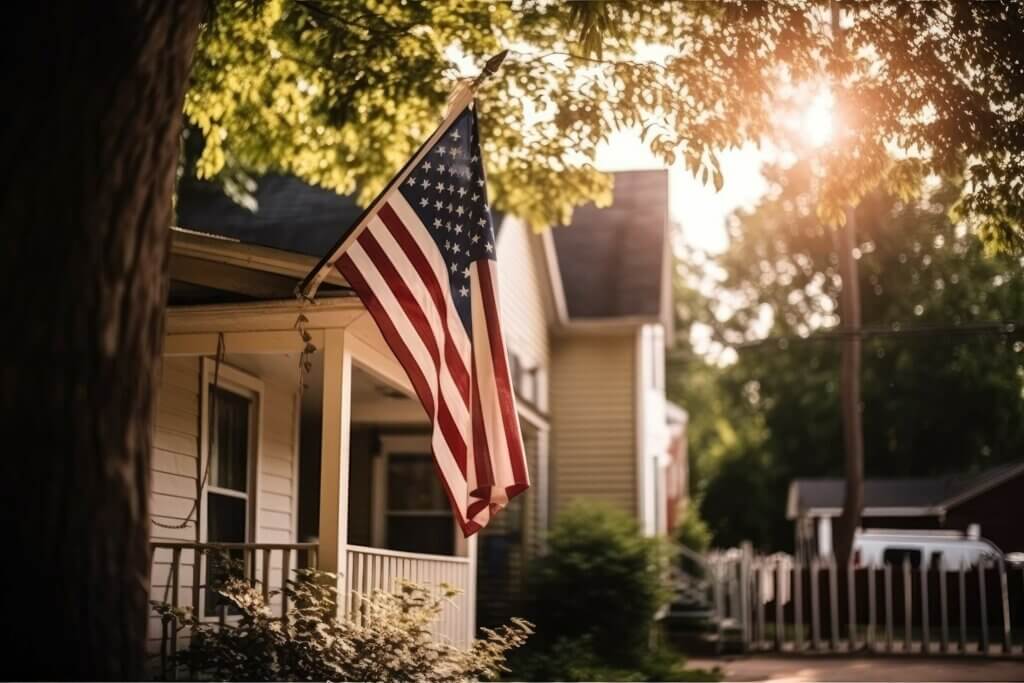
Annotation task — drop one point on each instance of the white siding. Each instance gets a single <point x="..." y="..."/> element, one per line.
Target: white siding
<point x="175" y="469"/>
<point x="522" y="288"/>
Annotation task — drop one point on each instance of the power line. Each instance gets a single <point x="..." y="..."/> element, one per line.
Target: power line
<point x="1001" y="328"/>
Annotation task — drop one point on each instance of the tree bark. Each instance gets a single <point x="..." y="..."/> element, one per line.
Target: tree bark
<point x="90" y="136"/>
<point x="853" y="433"/>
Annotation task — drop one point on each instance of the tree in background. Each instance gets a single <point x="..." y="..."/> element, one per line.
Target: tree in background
<point x="946" y="400"/>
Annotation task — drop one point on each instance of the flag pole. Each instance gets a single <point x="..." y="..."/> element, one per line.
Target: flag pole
<point x="461" y="98"/>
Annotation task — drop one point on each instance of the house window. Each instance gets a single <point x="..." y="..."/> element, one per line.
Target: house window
<point x="418" y="517"/>
<point x="231" y="438"/>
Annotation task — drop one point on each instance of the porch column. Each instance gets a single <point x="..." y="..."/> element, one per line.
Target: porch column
<point x="334" y="454"/>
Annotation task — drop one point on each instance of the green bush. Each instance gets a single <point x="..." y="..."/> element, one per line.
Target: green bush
<point x="394" y="642"/>
<point x="594" y="596"/>
<point x="691" y="530"/>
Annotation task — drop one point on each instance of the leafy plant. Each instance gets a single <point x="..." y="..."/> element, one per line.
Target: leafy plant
<point x="595" y="596"/>
<point x="691" y="529"/>
<point x="392" y="641"/>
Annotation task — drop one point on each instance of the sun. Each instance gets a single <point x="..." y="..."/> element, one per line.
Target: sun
<point x="818" y="119"/>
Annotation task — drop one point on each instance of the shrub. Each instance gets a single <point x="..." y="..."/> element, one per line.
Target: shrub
<point x="691" y="530"/>
<point x="600" y="583"/>
<point x="393" y="643"/>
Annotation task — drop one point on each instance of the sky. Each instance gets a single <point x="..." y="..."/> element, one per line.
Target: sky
<point x="698" y="208"/>
<point x="700" y="211"/>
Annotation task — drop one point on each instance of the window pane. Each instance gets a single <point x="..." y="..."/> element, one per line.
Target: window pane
<point x="433" y="535"/>
<point x="413" y="484"/>
<point x="225" y="518"/>
<point x="230" y="418"/>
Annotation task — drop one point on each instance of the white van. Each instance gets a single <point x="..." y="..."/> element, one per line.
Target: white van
<point x="934" y="548"/>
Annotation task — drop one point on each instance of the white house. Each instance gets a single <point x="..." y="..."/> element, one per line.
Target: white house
<point x="330" y="466"/>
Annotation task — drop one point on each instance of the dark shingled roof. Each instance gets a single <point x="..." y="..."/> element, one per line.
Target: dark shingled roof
<point x="611" y="259"/>
<point x="291" y="214"/>
<point x="924" y="492"/>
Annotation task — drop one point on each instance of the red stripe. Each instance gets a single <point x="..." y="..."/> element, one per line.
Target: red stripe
<point x="410" y="304"/>
<point x="505" y="397"/>
<point x="456" y="363"/>
<point x="403" y="295"/>
<point x="481" y="450"/>
<point x="394" y="340"/>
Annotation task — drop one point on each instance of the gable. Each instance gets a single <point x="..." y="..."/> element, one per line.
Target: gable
<point x="612" y="260"/>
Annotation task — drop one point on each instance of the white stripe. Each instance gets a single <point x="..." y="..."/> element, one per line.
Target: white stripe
<point x="421" y="235"/>
<point x="453" y="398"/>
<point x="375" y="281"/>
<point x="494" y="426"/>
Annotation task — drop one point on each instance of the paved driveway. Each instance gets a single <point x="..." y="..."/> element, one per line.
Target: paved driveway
<point x="864" y="669"/>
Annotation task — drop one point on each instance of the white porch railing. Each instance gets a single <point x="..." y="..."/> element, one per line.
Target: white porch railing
<point x="371" y="569"/>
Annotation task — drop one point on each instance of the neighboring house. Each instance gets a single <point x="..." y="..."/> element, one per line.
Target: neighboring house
<point x="955" y="502"/>
<point x="338" y="474"/>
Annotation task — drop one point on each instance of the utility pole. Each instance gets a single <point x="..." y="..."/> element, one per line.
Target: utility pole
<point x="849" y="380"/>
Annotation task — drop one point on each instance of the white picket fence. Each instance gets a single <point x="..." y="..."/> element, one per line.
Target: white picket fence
<point x="789" y="606"/>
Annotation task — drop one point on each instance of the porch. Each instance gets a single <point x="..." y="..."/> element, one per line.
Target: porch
<point x="336" y="475"/>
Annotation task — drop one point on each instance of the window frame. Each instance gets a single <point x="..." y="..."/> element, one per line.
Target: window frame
<point x="407" y="445"/>
<point x="251" y="388"/>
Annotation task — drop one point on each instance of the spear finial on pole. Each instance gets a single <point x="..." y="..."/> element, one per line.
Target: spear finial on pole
<point x="490" y="68"/>
<point x="459" y="100"/>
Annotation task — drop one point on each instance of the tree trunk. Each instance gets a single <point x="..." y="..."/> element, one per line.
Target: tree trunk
<point x="90" y="135"/>
<point x="853" y="434"/>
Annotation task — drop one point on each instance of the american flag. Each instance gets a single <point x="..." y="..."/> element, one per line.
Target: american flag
<point x="424" y="266"/>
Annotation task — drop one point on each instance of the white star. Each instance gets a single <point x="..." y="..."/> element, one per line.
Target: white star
<point x="475" y="159"/>
<point x="482" y="222"/>
<point x="464" y="291"/>
<point x="448" y="224"/>
<point x="456" y="248"/>
<point x="455" y="135"/>
<point x="440" y="150"/>
<point x="458" y="228"/>
<point x="475" y="196"/>
<point x="438" y="205"/>
<point x="424" y="202"/>
<point x="449" y="207"/>
<point x="437" y="222"/>
<point x="465" y="273"/>
<point x="411" y="182"/>
<point x="448" y="245"/>
<point x="452" y="171"/>
<point x="451" y="188"/>
<point x="489" y="247"/>
<point x="425" y="184"/>
<point x="452" y="152"/>
<point x="426" y="165"/>
<point x="460" y="210"/>
<point x="476" y="238"/>
<point x="439" y="187"/>
<point x="454" y="267"/>
<point x="462" y="192"/>
<point x="440" y="168"/>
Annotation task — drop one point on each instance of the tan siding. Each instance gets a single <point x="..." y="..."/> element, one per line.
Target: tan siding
<point x="593" y="438"/>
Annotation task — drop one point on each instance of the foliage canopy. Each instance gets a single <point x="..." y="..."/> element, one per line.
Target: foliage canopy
<point x="339" y="92"/>
<point x="947" y="400"/>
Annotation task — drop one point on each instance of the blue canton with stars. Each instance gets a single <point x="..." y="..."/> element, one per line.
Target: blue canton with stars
<point x="446" y="190"/>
